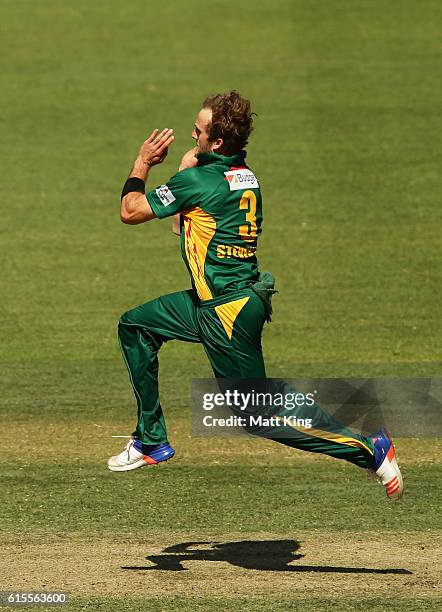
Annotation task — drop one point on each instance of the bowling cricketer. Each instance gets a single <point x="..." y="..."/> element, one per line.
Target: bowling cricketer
<point x="215" y="202"/>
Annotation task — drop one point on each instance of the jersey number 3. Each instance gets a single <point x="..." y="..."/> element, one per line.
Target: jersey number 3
<point x="248" y="231"/>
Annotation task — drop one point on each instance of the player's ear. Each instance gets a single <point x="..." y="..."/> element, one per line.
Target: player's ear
<point x="217" y="144"/>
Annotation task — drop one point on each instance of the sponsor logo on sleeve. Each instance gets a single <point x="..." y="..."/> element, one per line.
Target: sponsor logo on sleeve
<point x="243" y="178"/>
<point x="165" y="195"/>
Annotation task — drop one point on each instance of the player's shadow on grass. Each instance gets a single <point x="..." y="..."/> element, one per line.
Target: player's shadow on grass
<point x="266" y="555"/>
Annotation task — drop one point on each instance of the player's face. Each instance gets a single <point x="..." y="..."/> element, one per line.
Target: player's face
<point x="200" y="132"/>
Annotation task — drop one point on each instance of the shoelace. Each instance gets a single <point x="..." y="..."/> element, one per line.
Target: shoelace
<point x="128" y="445"/>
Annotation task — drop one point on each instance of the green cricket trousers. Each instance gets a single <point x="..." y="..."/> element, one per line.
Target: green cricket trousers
<point x="229" y="328"/>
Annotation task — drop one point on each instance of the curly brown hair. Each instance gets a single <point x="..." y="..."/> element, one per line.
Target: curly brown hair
<point x="232" y="120"/>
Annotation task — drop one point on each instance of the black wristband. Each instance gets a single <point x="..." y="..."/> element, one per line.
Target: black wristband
<point x="133" y="184"/>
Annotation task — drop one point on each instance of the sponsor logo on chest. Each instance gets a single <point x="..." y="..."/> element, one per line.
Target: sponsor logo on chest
<point x="165" y="195"/>
<point x="243" y="178"/>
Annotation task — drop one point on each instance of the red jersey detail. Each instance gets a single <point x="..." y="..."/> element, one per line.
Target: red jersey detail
<point x="229" y="178"/>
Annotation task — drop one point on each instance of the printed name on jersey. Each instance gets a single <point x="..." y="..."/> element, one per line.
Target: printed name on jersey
<point x="165" y="195"/>
<point x="237" y="252"/>
<point x="243" y="178"/>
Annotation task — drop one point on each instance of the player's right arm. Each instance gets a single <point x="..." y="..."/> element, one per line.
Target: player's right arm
<point x="176" y="224"/>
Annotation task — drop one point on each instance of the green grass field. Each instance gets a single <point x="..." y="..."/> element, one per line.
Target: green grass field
<point x="347" y="147"/>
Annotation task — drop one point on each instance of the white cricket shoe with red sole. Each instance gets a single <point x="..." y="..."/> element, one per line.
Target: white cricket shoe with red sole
<point x="132" y="457"/>
<point x="386" y="469"/>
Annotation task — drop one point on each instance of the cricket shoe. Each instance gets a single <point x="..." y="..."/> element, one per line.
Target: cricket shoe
<point x="386" y="470"/>
<point x="133" y="457"/>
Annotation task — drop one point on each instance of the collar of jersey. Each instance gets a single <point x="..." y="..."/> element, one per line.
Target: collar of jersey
<point x="211" y="158"/>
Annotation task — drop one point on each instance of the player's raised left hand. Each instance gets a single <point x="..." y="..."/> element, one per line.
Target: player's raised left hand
<point x="154" y="150"/>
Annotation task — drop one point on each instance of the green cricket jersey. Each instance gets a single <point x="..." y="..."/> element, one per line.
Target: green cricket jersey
<point x="221" y="215"/>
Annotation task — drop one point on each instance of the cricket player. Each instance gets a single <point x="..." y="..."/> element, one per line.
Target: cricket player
<point x="215" y="203"/>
